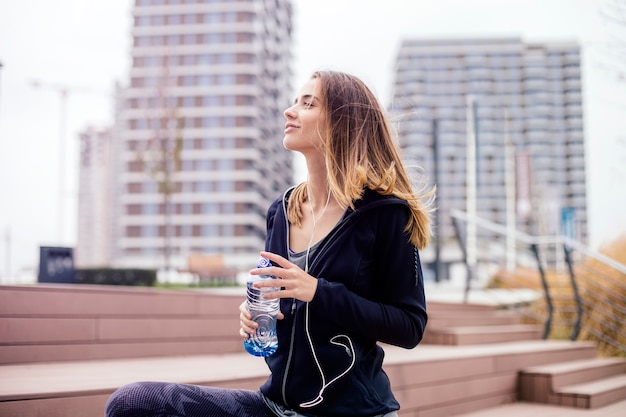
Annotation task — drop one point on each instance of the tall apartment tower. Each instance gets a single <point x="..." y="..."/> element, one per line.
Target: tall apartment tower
<point x="526" y="94"/>
<point x="199" y="151"/>
<point x="94" y="197"/>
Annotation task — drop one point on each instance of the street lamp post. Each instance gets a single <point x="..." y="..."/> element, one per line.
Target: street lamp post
<point x="470" y="199"/>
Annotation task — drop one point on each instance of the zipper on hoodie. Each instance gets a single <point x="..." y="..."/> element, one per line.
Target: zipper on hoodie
<point x="293" y="318"/>
<point x="294" y="301"/>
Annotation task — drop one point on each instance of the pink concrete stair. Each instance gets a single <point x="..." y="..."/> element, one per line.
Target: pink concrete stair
<point x="429" y="381"/>
<point x="590" y="383"/>
<point x="475" y="335"/>
<point x="65" y="349"/>
<point x="470" y="324"/>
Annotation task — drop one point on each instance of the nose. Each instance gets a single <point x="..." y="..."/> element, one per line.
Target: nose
<point x="289" y="113"/>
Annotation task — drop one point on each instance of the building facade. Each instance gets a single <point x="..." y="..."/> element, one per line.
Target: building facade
<point x="198" y="149"/>
<point x="94" y="198"/>
<point x="524" y="96"/>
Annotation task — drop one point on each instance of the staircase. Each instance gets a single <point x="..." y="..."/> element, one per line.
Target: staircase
<point x="471" y="324"/>
<point x="590" y="383"/>
<point x="65" y="349"/>
<point x="584" y="382"/>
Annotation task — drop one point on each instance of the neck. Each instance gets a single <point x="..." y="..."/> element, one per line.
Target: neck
<point x="317" y="181"/>
<point x="318" y="192"/>
<point x="319" y="200"/>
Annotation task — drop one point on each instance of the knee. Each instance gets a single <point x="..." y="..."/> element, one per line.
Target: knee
<point x="127" y="400"/>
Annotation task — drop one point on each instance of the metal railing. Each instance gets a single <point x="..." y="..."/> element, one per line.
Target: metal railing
<point x="583" y="291"/>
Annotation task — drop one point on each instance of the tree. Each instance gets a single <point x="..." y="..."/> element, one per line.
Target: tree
<point x="161" y="155"/>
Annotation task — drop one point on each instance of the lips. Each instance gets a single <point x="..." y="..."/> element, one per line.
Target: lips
<point x="289" y="127"/>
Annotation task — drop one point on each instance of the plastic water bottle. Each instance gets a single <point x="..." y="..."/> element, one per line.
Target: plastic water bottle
<point x="264" y="311"/>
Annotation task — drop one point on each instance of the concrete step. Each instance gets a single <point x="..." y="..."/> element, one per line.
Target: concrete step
<point x="590" y="383"/>
<point x="435" y="306"/>
<point x="428" y="380"/>
<point x="594" y="394"/>
<point x="574" y="372"/>
<point x="439" y="319"/>
<point x="472" y="335"/>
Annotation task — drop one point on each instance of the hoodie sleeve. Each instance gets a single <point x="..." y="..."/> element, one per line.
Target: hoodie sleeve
<point x="396" y="314"/>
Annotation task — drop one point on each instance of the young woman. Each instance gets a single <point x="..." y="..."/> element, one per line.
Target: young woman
<point x="344" y="245"/>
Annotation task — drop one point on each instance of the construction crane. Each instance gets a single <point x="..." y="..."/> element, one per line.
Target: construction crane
<point x="63" y="90"/>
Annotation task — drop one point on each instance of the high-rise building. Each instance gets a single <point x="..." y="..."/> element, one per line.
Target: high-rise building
<point x="199" y="144"/>
<point x="94" y="191"/>
<point x="526" y="94"/>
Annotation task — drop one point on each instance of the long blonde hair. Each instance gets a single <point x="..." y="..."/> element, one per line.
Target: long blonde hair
<point x="358" y="144"/>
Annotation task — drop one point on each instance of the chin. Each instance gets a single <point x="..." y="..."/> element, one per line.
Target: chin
<point x="287" y="144"/>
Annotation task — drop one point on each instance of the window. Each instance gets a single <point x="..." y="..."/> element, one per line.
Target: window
<point x="186" y="208"/>
<point x="209" y="230"/>
<point x="227" y="79"/>
<point x="187" y="187"/>
<point x="172" y="40"/>
<point x="205" y="59"/>
<point x="150" y="187"/>
<point x="203" y="165"/>
<point x="150" y="209"/>
<point x="153" y="61"/>
<point x="210" y="122"/>
<point x="210" y="208"/>
<point x="208" y="101"/>
<point x="227" y="186"/>
<point x="212" y="38"/>
<point x="203" y="186"/>
<point x="211" y="143"/>
<point x="205" y="80"/>
<point x="212" y="18"/>
<point x="190" y="18"/>
<point x="226" y="58"/>
<point x="143" y="21"/>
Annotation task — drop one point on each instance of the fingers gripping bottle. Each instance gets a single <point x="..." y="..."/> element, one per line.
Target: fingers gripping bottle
<point x="264" y="311"/>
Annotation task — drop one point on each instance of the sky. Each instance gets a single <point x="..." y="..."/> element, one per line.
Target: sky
<point x="84" y="47"/>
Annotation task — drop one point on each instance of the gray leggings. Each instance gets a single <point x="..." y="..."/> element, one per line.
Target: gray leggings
<point x="162" y="399"/>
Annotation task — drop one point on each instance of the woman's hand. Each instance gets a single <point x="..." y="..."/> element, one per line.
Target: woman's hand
<point x="295" y="282"/>
<point x="248" y="326"/>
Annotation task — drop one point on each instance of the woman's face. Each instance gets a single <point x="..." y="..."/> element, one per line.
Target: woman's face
<point x="305" y="120"/>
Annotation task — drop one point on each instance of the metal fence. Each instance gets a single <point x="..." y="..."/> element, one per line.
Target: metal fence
<point x="583" y="292"/>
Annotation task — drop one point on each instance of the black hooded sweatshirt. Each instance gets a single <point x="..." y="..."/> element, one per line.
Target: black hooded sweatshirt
<point x="370" y="289"/>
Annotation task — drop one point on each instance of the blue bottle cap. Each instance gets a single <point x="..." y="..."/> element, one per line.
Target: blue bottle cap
<point x="263" y="263"/>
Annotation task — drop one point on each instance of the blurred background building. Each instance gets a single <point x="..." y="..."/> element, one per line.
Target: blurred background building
<point x="526" y="94"/>
<point x="196" y="155"/>
<point x="95" y="196"/>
